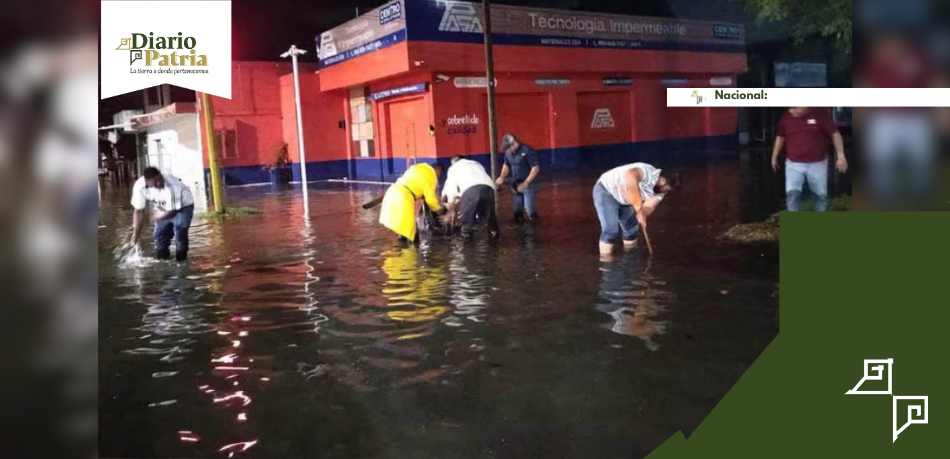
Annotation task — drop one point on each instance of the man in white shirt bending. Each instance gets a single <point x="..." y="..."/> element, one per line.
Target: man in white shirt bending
<point x="471" y="190"/>
<point x="173" y="207"/>
<point x="625" y="197"/>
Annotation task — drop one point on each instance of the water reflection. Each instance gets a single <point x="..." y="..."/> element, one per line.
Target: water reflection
<point x="415" y="292"/>
<point x="327" y="339"/>
<point x="471" y="293"/>
<point x="634" y="297"/>
<point x="172" y="318"/>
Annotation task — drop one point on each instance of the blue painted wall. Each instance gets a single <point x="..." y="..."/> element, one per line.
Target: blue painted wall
<point x="663" y="152"/>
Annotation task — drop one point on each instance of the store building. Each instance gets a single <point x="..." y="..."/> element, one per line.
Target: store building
<point x="585" y="89"/>
<point x="405" y="83"/>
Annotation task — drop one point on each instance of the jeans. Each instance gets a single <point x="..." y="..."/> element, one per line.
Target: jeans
<point x="177" y="225"/>
<point x="478" y="206"/>
<point x="615" y="218"/>
<point x="525" y="202"/>
<point x="816" y="174"/>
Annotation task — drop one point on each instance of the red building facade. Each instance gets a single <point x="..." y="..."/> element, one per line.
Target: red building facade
<point x="584" y="89"/>
<point x="405" y="83"/>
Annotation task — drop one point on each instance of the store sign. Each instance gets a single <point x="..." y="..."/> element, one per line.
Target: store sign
<point x="400" y="91"/>
<point x="462" y="21"/>
<point x="461" y="124"/>
<point x="553" y="82"/>
<point x="473" y="82"/>
<point x="727" y="31"/>
<point x="603" y="119"/>
<point x="380" y="28"/>
<point x="618" y="81"/>
<point x="390" y="13"/>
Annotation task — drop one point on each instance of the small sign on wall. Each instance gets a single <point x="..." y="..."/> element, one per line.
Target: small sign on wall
<point x="618" y="81"/>
<point x="473" y="82"/>
<point x="400" y="91"/>
<point x="675" y="81"/>
<point x="553" y="81"/>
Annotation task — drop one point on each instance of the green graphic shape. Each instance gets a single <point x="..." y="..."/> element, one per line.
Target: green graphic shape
<point x="854" y="286"/>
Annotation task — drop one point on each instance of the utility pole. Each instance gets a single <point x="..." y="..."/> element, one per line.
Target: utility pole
<point x="490" y="85"/>
<point x="293" y="52"/>
<point x="490" y="74"/>
<point x="217" y="192"/>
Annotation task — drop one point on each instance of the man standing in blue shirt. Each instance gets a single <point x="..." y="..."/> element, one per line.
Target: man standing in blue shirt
<point x="521" y="161"/>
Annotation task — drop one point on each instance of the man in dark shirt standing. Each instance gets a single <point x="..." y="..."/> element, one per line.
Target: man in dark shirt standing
<point x="804" y="133"/>
<point x="521" y="161"/>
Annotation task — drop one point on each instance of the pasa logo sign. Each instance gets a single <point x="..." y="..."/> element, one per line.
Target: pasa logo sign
<point x="603" y="119"/>
<point x="459" y="17"/>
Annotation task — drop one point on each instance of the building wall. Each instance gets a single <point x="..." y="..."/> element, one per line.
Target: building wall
<point x="179" y="154"/>
<point x="255" y="112"/>
<point x="560" y="120"/>
<point x="325" y="142"/>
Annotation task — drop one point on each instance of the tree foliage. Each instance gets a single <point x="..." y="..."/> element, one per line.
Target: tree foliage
<point x="828" y="18"/>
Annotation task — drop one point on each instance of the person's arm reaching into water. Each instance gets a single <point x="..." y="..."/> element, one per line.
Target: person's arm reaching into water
<point x="633" y="177"/>
<point x="432" y="198"/>
<point x="137" y="216"/>
<point x="138" y="205"/>
<point x="504" y="174"/>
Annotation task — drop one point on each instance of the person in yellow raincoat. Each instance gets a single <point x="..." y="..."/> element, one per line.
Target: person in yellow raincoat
<point x="399" y="204"/>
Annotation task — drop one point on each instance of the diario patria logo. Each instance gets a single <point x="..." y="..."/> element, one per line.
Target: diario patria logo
<point x="163" y="52"/>
<point x="918" y="405"/>
<point x="148" y="43"/>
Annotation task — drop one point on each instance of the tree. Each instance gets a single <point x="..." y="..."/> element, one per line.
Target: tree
<point x="828" y="18"/>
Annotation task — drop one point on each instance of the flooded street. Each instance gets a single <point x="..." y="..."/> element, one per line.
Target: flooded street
<point x="283" y="338"/>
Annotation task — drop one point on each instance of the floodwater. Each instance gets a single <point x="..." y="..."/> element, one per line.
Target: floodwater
<point x="288" y="338"/>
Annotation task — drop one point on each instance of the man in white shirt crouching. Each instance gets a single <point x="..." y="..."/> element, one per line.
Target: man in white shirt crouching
<point x="173" y="207"/>
<point x="471" y="190"/>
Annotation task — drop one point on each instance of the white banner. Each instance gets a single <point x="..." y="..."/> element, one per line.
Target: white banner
<point x="149" y="43"/>
<point x="807" y="97"/>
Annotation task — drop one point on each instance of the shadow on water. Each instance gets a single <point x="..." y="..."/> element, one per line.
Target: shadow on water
<point x="287" y="337"/>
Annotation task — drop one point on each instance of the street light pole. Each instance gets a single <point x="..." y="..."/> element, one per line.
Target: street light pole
<point x="293" y="52"/>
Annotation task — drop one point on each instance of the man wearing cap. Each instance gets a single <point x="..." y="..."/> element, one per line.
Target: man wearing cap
<point x="521" y="162"/>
